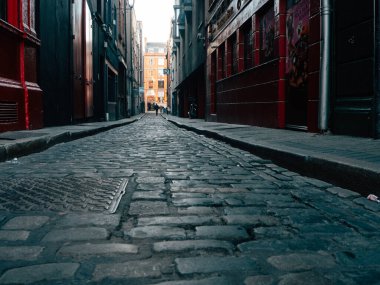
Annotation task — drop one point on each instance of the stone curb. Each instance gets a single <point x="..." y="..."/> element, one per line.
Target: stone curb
<point x="29" y="146"/>
<point x="358" y="179"/>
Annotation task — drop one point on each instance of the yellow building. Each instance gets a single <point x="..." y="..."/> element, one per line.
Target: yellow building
<point x="155" y="78"/>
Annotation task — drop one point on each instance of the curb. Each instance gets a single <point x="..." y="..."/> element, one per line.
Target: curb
<point x="10" y="151"/>
<point x="361" y="180"/>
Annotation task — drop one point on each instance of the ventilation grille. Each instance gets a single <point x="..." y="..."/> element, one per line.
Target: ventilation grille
<point x="8" y="112"/>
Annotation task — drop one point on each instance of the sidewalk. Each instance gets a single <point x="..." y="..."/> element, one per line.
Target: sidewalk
<point x="350" y="162"/>
<point x="19" y="143"/>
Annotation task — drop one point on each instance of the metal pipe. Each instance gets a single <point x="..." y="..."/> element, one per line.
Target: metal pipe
<point x="325" y="76"/>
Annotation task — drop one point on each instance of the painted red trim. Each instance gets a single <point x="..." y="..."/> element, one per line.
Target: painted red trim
<point x="13" y="12"/>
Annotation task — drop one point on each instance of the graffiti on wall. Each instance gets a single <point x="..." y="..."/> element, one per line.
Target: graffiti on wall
<point x="297" y="36"/>
<point x="267" y="25"/>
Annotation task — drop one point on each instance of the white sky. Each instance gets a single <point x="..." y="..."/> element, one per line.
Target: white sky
<point x="156" y="16"/>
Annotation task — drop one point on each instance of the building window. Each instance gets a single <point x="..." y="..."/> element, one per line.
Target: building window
<point x="267" y="35"/>
<point x="248" y="45"/>
<point x="3" y="10"/>
<point x="161" y="61"/>
<point x="150" y="84"/>
<point x="151" y="61"/>
<point x="161" y="83"/>
<point x="234" y="56"/>
<point x="161" y="72"/>
<point x="28" y="14"/>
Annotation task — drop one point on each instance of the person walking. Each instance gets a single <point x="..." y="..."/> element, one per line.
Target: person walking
<point x="156" y="108"/>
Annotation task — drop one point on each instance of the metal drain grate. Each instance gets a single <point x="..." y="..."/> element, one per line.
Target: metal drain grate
<point x="62" y="194"/>
<point x="8" y="112"/>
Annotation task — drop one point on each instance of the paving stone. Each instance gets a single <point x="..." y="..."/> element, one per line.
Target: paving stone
<point x="370" y="205"/>
<point x="232" y="190"/>
<point x="76" y="234"/>
<point x="41" y="272"/>
<point x="177" y="221"/>
<point x="148" y="208"/>
<point x="196" y="265"/>
<point x="259" y="280"/>
<point x="27" y="253"/>
<point x="180" y="195"/>
<point x="89" y="219"/>
<point x="81" y="250"/>
<point x="209" y="281"/>
<point x="343" y="193"/>
<point x="254" y="220"/>
<point x="243" y="210"/>
<point x="196" y="210"/>
<point x="148" y="195"/>
<point x="190" y="245"/>
<point x="272" y="232"/>
<point x="309" y="278"/>
<point x="301" y="261"/>
<point x="130" y="269"/>
<point x="186" y="202"/>
<point x="157" y="232"/>
<point x="150" y="180"/>
<point x="14" y="235"/>
<point x="222" y="232"/>
<point x="204" y="190"/>
<point x="26" y="223"/>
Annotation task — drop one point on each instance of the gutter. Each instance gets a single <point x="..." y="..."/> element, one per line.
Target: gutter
<point x="325" y="70"/>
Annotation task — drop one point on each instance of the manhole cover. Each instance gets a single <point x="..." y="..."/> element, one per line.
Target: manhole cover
<point x="62" y="194"/>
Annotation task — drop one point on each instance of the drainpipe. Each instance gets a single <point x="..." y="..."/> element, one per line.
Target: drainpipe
<point x="324" y="82"/>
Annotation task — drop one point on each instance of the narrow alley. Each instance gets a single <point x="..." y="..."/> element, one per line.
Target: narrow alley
<point x="151" y="203"/>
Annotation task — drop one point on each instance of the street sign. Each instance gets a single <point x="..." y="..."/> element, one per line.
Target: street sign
<point x="166" y="71"/>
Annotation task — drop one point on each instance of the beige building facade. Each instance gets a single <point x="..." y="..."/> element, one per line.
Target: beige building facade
<point x="155" y="75"/>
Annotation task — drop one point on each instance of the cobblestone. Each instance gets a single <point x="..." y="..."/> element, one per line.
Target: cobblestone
<point x="76" y="234"/>
<point x="190" y="245"/>
<point x="186" y="210"/>
<point x="26" y="223"/>
<point x="14" y="235"/>
<point x="27" y="253"/>
<point x="35" y="273"/>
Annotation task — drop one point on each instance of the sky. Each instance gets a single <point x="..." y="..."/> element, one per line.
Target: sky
<point x="156" y="16"/>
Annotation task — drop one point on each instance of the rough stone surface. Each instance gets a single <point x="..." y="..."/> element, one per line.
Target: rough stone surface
<point x="35" y="273"/>
<point x="259" y="280"/>
<point x="148" y="208"/>
<point x="76" y="234"/>
<point x="27" y="253"/>
<point x="14" y="235"/>
<point x="80" y="250"/>
<point x="188" y="245"/>
<point x="309" y="278"/>
<point x="176" y="221"/>
<point x="254" y="220"/>
<point x="209" y="281"/>
<point x="26" y="223"/>
<point x="158" y="232"/>
<point x="193" y="265"/>
<point x="222" y="232"/>
<point x="301" y="261"/>
<point x="89" y="219"/>
<point x="131" y="269"/>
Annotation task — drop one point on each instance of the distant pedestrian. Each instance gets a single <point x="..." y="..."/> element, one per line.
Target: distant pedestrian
<point x="156" y="108"/>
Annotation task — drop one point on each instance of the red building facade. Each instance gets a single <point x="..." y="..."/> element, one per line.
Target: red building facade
<point x="286" y="64"/>
<point x="20" y="95"/>
<point x="263" y="62"/>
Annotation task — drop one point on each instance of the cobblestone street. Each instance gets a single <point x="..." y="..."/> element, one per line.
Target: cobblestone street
<point x="151" y="203"/>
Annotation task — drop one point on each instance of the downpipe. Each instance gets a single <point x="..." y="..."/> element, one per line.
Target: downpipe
<point x="325" y="71"/>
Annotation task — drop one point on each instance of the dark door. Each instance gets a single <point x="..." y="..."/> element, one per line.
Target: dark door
<point x="297" y="45"/>
<point x="78" y="60"/>
<point x="354" y="73"/>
